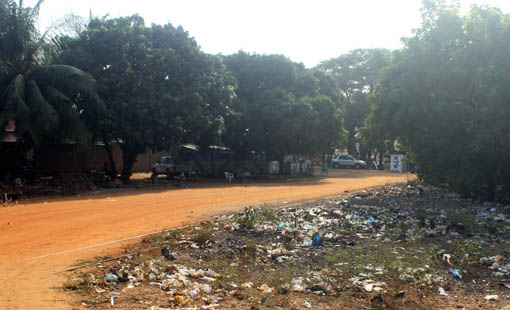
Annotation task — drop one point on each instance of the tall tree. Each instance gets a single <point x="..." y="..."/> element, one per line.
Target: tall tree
<point x="280" y="108"/>
<point x="446" y="98"/>
<point x="159" y="88"/>
<point x="356" y="74"/>
<point x="48" y="103"/>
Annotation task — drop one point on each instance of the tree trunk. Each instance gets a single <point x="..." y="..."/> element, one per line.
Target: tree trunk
<point x="128" y="161"/>
<point x="351" y="144"/>
<point x="363" y="153"/>
<point x="112" y="171"/>
<point x="381" y="155"/>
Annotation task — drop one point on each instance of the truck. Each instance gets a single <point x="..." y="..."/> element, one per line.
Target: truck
<point x="170" y="166"/>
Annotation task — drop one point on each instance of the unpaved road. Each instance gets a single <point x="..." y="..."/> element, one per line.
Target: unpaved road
<point x="42" y="237"/>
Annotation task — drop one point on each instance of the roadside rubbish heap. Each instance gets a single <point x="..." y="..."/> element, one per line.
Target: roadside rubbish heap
<point x="402" y="245"/>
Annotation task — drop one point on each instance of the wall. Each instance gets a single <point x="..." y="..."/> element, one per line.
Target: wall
<point x="53" y="159"/>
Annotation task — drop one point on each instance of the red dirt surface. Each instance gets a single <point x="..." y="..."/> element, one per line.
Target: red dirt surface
<point x="40" y="238"/>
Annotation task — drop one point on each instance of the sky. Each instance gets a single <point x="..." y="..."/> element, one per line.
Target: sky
<point x="306" y="31"/>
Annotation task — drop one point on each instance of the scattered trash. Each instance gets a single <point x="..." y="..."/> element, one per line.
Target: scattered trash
<point x="177" y="299"/>
<point x="112" y="278"/>
<point x="247" y="285"/>
<point x="265" y="289"/>
<point x="298" y="285"/>
<point x="369" y="287"/>
<point x="456" y="273"/>
<point x="307" y="242"/>
<point x="194" y="293"/>
<point x="447" y="257"/>
<point x="168" y="253"/>
<point x="400" y="294"/>
<point x="369" y="221"/>
<point x="317" y="240"/>
<point x="233" y="284"/>
<point x="491" y="297"/>
<point x="355" y="239"/>
<point x="442" y="292"/>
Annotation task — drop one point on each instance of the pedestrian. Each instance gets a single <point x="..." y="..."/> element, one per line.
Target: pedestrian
<point x="181" y="180"/>
<point x="154" y="175"/>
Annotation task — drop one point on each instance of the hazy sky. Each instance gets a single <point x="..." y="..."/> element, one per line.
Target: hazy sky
<point x="304" y="30"/>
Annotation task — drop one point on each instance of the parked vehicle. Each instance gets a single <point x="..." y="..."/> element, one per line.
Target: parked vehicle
<point x="347" y="161"/>
<point x="171" y="167"/>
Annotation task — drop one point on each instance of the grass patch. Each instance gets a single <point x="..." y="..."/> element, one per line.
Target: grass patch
<point x="81" y="283"/>
<point x="203" y="233"/>
<point x="465" y="218"/>
<point x="392" y="263"/>
<point x="250" y="218"/>
<point x="278" y="276"/>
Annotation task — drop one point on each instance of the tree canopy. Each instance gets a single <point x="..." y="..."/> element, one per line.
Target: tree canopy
<point x="47" y="103"/>
<point x="356" y="74"/>
<point x="281" y="108"/>
<point x="443" y="96"/>
<point x="159" y="88"/>
<point x="446" y="98"/>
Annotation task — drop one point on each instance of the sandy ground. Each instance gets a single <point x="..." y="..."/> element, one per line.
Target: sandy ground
<point x="40" y="238"/>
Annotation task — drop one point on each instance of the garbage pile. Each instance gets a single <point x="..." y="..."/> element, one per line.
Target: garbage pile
<point x="61" y="184"/>
<point x="407" y="245"/>
<point x="71" y="183"/>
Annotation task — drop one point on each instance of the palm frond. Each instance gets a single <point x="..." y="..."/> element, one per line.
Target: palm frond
<point x="69" y="80"/>
<point x="71" y="126"/>
<point x="20" y="39"/>
<point x="36" y="8"/>
<point x="78" y="85"/>
<point x="43" y="115"/>
<point x="13" y="99"/>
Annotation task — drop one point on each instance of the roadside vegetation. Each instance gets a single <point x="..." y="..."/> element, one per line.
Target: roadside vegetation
<point x="442" y="98"/>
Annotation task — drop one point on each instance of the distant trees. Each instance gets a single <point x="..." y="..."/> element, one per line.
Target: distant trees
<point x="356" y="74"/>
<point x="153" y="88"/>
<point x="280" y="108"/>
<point x="446" y="97"/>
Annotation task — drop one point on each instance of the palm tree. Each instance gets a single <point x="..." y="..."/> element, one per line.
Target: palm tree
<point x="47" y="103"/>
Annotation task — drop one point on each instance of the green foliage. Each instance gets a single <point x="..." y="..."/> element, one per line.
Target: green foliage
<point x="281" y="108"/>
<point x="26" y="84"/>
<point x="44" y="115"/>
<point x="253" y="217"/>
<point x="203" y="234"/>
<point x="392" y="261"/>
<point x="445" y="98"/>
<point x="464" y="217"/>
<point x="356" y="74"/>
<point x="465" y="252"/>
<point x="159" y="88"/>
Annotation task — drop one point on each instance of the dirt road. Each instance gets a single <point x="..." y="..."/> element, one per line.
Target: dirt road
<point x="42" y="237"/>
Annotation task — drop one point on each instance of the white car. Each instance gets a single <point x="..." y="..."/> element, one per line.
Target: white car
<point x="347" y="161"/>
